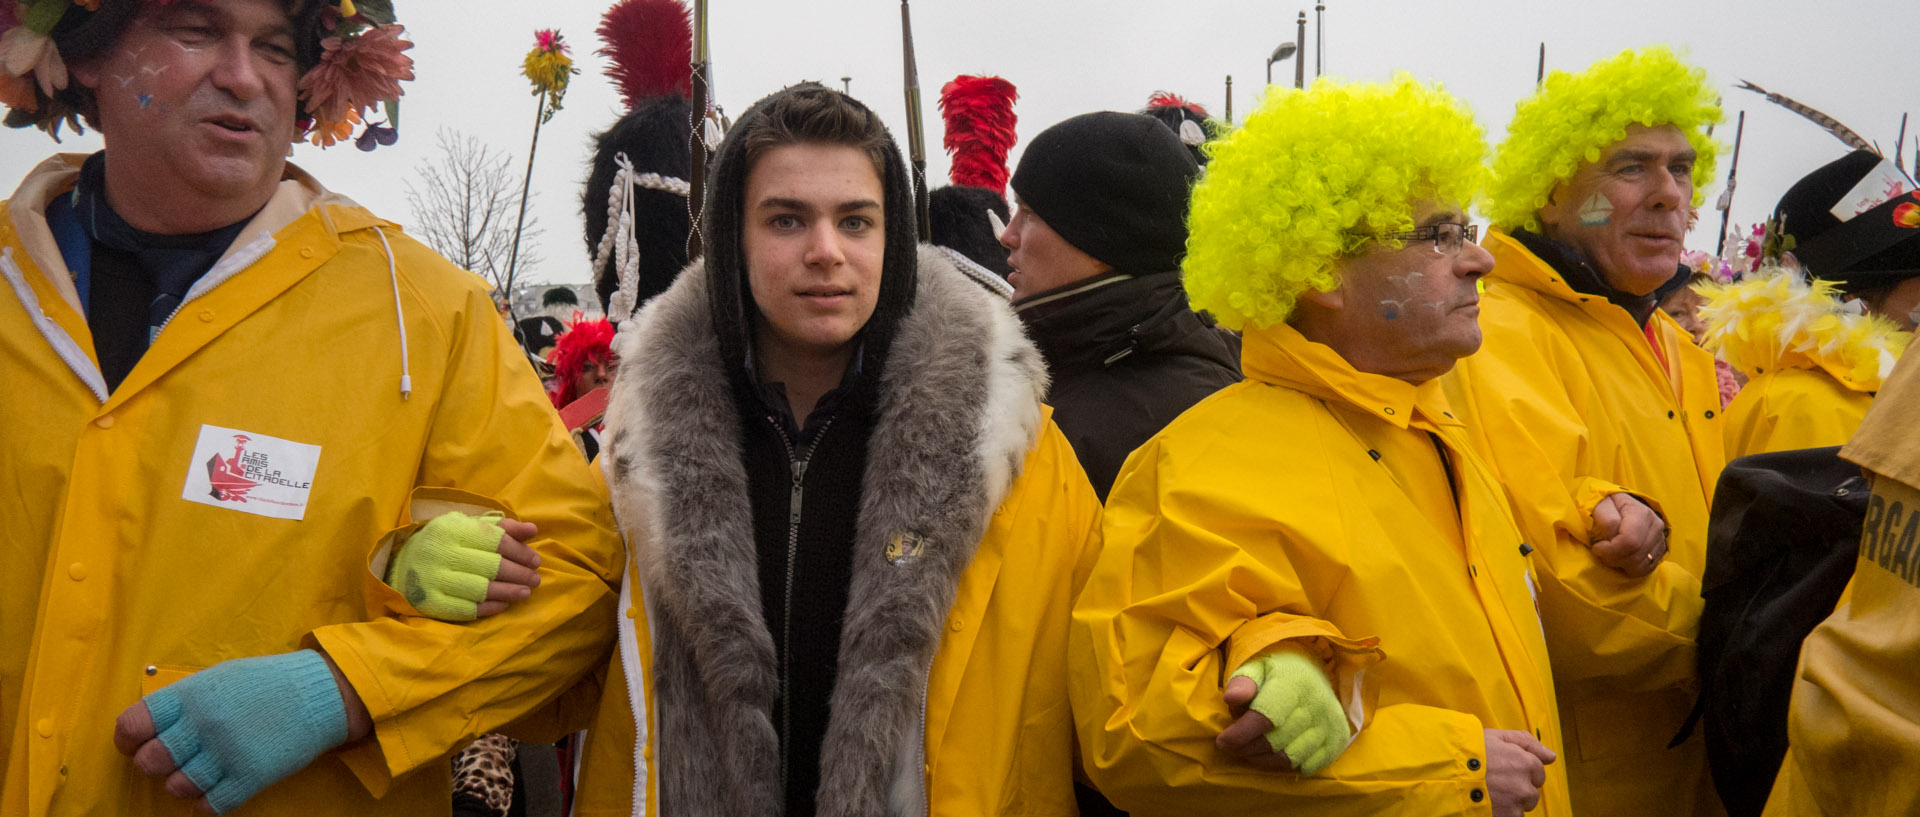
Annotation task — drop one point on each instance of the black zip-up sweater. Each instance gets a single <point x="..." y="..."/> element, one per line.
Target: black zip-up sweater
<point x="804" y="481"/>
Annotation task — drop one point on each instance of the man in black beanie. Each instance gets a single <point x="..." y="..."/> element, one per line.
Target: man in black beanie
<point x="1096" y="246"/>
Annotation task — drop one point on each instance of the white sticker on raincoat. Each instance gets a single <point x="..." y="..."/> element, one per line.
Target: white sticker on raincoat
<point x="251" y="472"/>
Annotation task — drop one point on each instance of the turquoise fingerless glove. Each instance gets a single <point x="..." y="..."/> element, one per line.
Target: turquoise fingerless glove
<point x="1309" y="724"/>
<point x="240" y="726"/>
<point x="444" y="568"/>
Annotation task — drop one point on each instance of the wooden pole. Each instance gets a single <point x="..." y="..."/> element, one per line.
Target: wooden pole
<point x="526" y="185"/>
<point x="1230" y="94"/>
<point x="696" y="135"/>
<point x="1733" y="173"/>
<point x="1540" y="74"/>
<point x="916" y="133"/>
<point x="1900" y="147"/>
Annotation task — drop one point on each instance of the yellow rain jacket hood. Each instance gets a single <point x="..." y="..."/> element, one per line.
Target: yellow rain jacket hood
<point x="1569" y="401"/>
<point x="1813" y="364"/>
<point x="1310" y="504"/>
<point x="126" y="571"/>
<point x="975" y="527"/>
<point x="1853" y="727"/>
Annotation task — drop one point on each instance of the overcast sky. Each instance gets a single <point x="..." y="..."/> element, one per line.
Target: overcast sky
<point x="1853" y="59"/>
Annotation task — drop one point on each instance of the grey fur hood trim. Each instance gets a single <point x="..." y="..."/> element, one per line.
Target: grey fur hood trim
<point x="957" y="411"/>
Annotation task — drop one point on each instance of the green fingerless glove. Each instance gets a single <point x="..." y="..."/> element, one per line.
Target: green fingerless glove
<point x="444" y="568"/>
<point x="1309" y="724"/>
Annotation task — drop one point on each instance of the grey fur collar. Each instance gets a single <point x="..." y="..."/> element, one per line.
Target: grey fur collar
<point x="958" y="410"/>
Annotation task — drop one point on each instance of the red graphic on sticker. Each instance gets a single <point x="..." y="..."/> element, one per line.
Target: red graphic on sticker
<point x="227" y="476"/>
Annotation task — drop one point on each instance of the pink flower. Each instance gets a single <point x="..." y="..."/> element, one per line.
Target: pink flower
<point x="548" y="39"/>
<point x="354" y="74"/>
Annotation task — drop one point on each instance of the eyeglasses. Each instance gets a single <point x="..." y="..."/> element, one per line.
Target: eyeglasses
<point x="1447" y="237"/>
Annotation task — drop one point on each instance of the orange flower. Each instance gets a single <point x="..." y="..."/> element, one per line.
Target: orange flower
<point x="17" y="92"/>
<point x="328" y="132"/>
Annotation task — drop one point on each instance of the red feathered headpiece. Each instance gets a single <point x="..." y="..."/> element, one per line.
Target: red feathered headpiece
<point x="649" y="46"/>
<point x="979" y="116"/>
<point x="584" y="341"/>
<point x="1166" y="99"/>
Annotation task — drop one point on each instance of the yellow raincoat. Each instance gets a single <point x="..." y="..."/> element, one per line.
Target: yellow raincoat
<point x="1813" y="365"/>
<point x="122" y="576"/>
<point x="1310" y="503"/>
<point x="1569" y="403"/>
<point x="1853" y="728"/>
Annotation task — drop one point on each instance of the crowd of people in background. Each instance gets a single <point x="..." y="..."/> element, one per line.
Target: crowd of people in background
<point x="1183" y="467"/>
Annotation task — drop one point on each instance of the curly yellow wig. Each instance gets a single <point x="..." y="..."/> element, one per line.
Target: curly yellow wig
<point x="1284" y="191"/>
<point x="1574" y="117"/>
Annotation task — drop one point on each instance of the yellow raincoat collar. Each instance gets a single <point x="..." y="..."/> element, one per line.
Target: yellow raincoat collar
<point x="1280" y="355"/>
<point x="299" y="192"/>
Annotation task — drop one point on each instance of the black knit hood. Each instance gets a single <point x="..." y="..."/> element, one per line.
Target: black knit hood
<point x="722" y="221"/>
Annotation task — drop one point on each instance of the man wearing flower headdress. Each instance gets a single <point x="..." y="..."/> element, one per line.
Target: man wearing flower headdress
<point x="232" y="395"/>
<point x="1601" y="415"/>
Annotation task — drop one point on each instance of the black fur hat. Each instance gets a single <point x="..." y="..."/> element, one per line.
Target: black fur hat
<point x="959" y="215"/>
<point x="1877" y="248"/>
<point x="654" y="138"/>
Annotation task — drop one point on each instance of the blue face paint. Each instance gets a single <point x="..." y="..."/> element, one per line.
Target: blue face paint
<point x="145" y="100"/>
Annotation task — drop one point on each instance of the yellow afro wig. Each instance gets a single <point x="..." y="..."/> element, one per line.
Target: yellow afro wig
<point x="1574" y="117"/>
<point x="1282" y="192"/>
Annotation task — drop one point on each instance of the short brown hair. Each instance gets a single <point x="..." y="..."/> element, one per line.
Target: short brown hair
<point x="816" y="115"/>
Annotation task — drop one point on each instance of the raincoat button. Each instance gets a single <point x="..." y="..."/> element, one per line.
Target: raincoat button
<point x="152" y="670"/>
<point x="1669" y="415"/>
<point x="63" y="770"/>
<point x="104" y="422"/>
<point x="1473" y="764"/>
<point x="1478" y="795"/>
<point x="1709" y="414"/>
<point x="44" y="727"/>
<point x="957" y="624"/>
<point x="206" y="316"/>
<point x="306" y="252"/>
<point x="78" y="571"/>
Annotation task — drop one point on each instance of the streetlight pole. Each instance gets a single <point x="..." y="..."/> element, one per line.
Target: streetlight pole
<point x="1280" y="52"/>
<point x="1300" y="44"/>
<point x="1319" y="40"/>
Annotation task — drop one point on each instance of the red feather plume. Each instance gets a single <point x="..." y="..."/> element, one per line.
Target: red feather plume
<point x="1168" y="99"/>
<point x="979" y="117"/>
<point x="649" y="46"/>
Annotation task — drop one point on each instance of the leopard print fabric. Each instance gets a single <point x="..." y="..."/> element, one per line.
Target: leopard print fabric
<point x="485" y="770"/>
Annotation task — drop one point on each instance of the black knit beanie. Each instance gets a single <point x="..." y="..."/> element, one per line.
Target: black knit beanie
<point x="1114" y="185"/>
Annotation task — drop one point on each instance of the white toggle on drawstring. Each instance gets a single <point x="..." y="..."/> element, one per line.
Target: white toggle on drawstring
<point x="406" y="372"/>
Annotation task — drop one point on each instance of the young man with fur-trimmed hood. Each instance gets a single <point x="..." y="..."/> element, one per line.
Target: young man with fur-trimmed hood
<point x="854" y="530"/>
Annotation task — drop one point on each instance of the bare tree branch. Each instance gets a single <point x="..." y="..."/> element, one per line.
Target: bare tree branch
<point x="464" y="204"/>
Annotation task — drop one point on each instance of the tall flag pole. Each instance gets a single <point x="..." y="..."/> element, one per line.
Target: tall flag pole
<point x="1230" y="98"/>
<point x="916" y="134"/>
<point x="697" y="132"/>
<point x="1733" y="172"/>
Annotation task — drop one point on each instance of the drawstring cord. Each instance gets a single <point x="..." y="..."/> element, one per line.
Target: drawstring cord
<point x="406" y="373"/>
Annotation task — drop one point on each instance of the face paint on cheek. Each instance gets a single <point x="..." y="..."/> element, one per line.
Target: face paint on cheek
<point x="145" y="100"/>
<point x="1390" y="309"/>
<point x="1597" y="211"/>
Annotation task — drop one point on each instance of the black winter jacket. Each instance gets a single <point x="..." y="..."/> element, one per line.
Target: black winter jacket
<point x="1127" y="356"/>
